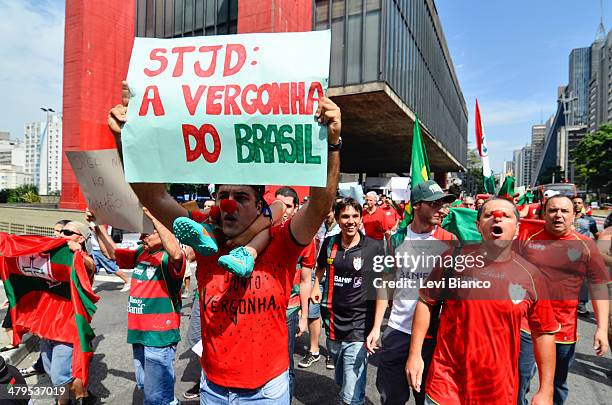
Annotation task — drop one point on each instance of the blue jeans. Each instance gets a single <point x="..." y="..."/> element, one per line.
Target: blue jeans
<point x="351" y="360"/>
<point x="292" y="326"/>
<point x="527" y="368"/>
<point x="155" y="373"/>
<point x="102" y="262"/>
<point x="194" y="329"/>
<point x="274" y="392"/>
<point x="57" y="361"/>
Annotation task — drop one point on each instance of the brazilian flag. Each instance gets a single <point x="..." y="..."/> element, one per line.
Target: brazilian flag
<point x="419" y="168"/>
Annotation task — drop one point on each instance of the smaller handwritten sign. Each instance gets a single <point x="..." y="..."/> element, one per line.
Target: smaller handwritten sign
<point x="108" y="196"/>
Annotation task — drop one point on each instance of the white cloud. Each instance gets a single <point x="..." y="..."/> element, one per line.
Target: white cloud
<point x="32" y="52"/>
<point x="505" y="112"/>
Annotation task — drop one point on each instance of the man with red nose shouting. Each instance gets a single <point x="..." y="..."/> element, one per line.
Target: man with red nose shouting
<point x="478" y="341"/>
<point x="244" y="334"/>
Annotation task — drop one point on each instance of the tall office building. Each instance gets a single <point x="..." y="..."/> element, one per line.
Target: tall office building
<point x="518" y="166"/>
<point x="43" y="146"/>
<point x="538" y="135"/>
<point x="12" y="163"/>
<point x="600" y="85"/>
<point x="526" y="158"/>
<point x="578" y="86"/>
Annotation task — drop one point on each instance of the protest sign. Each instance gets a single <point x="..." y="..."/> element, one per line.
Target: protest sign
<point x="230" y="109"/>
<point x="400" y="188"/>
<point x="352" y="190"/>
<point x="108" y="196"/>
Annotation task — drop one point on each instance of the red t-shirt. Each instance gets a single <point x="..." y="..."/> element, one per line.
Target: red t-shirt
<point x="476" y="355"/>
<point x="374" y="224"/>
<point x="391" y="216"/>
<point x="564" y="262"/>
<point x="244" y="330"/>
<point x="306" y="260"/>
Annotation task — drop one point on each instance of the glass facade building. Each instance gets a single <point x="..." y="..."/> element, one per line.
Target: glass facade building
<point x="578" y="87"/>
<point x="399" y="42"/>
<point x="389" y="61"/>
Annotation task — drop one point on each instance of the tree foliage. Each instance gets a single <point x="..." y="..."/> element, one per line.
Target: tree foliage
<point x="552" y="173"/>
<point x="593" y="159"/>
<point x="21" y="194"/>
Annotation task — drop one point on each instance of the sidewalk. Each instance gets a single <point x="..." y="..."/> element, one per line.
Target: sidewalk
<point x="29" y="342"/>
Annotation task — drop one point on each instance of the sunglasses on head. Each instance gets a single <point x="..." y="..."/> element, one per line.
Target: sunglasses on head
<point x="68" y="232"/>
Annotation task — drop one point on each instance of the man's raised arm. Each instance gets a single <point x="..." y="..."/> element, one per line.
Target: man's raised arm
<point x="151" y="195"/>
<point x="307" y="221"/>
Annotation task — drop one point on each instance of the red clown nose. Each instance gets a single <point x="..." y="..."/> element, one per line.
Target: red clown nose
<point x="229" y="206"/>
<point x="215" y="213"/>
<point x="498" y="214"/>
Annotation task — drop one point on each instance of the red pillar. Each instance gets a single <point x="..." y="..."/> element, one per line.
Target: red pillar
<point x="275" y="16"/>
<point x="98" y="42"/>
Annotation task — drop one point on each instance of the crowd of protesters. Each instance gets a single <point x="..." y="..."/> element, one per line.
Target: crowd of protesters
<point x="268" y="273"/>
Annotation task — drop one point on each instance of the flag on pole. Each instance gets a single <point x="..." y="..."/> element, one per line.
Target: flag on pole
<point x="49" y="294"/>
<point x="481" y="143"/>
<point x="419" y="168"/>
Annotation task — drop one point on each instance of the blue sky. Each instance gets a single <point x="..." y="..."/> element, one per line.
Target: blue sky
<point x="512" y="56"/>
<point x="32" y="55"/>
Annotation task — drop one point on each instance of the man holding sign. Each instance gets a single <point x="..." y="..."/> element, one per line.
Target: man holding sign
<point x="244" y="333"/>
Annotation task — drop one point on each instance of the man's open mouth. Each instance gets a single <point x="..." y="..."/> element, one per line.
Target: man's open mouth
<point x="497" y="231"/>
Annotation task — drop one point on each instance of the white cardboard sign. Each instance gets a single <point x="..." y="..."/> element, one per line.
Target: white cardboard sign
<point x="108" y="196"/>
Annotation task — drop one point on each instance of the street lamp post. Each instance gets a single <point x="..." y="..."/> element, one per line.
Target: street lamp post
<point x="47" y="110"/>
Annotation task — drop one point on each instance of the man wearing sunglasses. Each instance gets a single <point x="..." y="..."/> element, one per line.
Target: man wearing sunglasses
<point x="427" y="200"/>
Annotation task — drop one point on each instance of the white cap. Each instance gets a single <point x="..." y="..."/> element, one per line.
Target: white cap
<point x="551" y="193"/>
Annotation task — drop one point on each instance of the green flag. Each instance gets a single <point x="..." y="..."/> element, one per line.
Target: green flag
<point x="526" y="198"/>
<point x="507" y="189"/>
<point x="462" y="223"/>
<point x="419" y="168"/>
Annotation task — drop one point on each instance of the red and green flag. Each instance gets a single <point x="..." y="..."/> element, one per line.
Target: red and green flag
<point x="419" y="168"/>
<point x="483" y="151"/>
<point x="49" y="293"/>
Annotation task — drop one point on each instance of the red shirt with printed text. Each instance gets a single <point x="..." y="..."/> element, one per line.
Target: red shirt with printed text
<point x="244" y="330"/>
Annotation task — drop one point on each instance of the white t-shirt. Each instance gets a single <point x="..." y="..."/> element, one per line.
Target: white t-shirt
<point x="95" y="245"/>
<point x="405" y="299"/>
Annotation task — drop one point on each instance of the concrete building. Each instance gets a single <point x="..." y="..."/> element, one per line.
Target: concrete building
<point x="526" y="158"/>
<point x="12" y="176"/>
<point x="43" y="154"/>
<point x="517" y="165"/>
<point x="600" y="85"/>
<point x="12" y="163"/>
<point x="12" y="151"/>
<point x="538" y="136"/>
<point x="389" y="63"/>
<point x="522" y="163"/>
